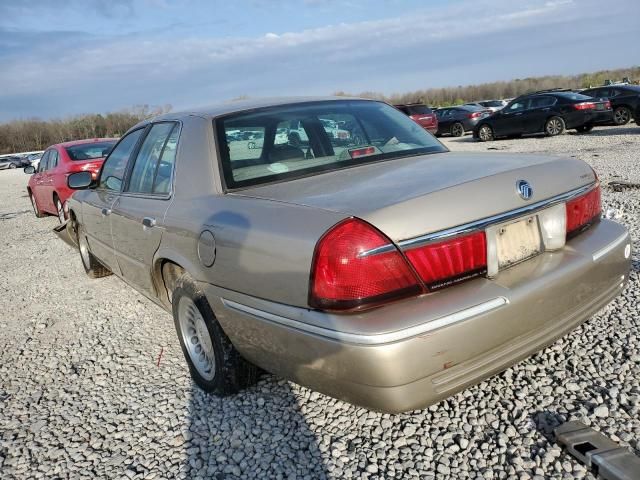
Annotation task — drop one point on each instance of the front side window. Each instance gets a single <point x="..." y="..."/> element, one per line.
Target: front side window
<point x="116" y="163"/>
<point x="90" y="151"/>
<point x="42" y="166"/>
<point x="152" y="153"/>
<point x="303" y="139"/>
<point x="517" y="106"/>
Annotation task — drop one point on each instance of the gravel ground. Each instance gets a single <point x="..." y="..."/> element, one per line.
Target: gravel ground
<point x="93" y="383"/>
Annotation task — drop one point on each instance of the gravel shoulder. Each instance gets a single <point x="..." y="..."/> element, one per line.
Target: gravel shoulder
<point x="93" y="383"/>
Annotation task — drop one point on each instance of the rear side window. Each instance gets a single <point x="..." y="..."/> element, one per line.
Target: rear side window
<point x="541" y="102"/>
<point x="90" y="151"/>
<point x="116" y="163"/>
<point x="419" y="110"/>
<point x="53" y="159"/>
<point x="154" y="163"/>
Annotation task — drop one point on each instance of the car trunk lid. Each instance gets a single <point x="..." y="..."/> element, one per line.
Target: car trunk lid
<point x="414" y="196"/>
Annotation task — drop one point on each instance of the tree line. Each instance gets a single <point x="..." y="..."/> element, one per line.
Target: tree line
<point x="35" y="134"/>
<point x="442" y="97"/>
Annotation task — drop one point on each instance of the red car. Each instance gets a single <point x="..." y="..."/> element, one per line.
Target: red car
<point x="48" y="189"/>
<point x="421" y="114"/>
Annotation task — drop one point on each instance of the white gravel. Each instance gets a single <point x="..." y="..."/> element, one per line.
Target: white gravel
<point x="81" y="395"/>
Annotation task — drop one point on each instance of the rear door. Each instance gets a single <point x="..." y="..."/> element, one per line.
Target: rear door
<point x="444" y="119"/>
<point x="98" y="203"/>
<point x="137" y="218"/>
<point x="535" y="116"/>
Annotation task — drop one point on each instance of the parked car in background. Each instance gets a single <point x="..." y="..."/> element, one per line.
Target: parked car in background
<point x="456" y="121"/>
<point x="390" y="274"/>
<point x="34" y="159"/>
<point x="12" y="162"/>
<point x="493" y="105"/>
<point x="625" y="100"/>
<point x="549" y="112"/>
<point x="47" y="187"/>
<point x="421" y="114"/>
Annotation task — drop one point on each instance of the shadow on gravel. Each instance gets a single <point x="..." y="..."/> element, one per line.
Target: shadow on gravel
<point x="597" y="132"/>
<point x="546" y="421"/>
<point x="259" y="433"/>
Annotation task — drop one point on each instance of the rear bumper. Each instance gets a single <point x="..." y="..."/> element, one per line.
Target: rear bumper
<point x="413" y="353"/>
<point x="599" y="118"/>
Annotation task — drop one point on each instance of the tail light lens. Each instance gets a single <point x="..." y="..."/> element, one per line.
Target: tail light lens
<point x="474" y="115"/>
<point x="583" y="211"/>
<point x="443" y="263"/>
<point x="345" y="277"/>
<point x="584" y="106"/>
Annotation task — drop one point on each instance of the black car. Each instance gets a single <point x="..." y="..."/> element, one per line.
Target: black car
<point x="625" y="101"/>
<point x="548" y="112"/>
<point x="458" y="120"/>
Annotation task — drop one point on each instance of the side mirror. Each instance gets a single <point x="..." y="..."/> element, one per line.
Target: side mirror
<point x="30" y="170"/>
<point x="80" y="180"/>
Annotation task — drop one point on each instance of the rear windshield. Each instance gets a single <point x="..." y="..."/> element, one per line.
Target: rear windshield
<point x="290" y="141"/>
<point x="90" y="151"/>
<point x="419" y="110"/>
<point x="573" y="96"/>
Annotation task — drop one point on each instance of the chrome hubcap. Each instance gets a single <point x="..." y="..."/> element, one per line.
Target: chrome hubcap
<point x="554" y="127"/>
<point x="196" y="338"/>
<point x="621" y="116"/>
<point x="485" y="133"/>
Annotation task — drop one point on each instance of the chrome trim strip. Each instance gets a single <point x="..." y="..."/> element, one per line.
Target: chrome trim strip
<point x="389" y="247"/>
<point x="603" y="251"/>
<point x="483" y="223"/>
<point x="372" y="340"/>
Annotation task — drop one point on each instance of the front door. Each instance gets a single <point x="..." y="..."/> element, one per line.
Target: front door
<point x="98" y="203"/>
<point x="137" y="219"/>
<point x="509" y="120"/>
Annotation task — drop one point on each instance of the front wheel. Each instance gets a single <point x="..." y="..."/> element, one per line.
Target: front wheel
<point x="585" y="128"/>
<point x="215" y="365"/>
<point x="621" y="116"/>
<point x="485" y="133"/>
<point x="92" y="266"/>
<point x="12" y="166"/>
<point x="554" y="126"/>
<point x="457" y="129"/>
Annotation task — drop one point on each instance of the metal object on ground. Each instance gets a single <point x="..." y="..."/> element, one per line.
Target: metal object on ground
<point x="62" y="231"/>
<point x="597" y="452"/>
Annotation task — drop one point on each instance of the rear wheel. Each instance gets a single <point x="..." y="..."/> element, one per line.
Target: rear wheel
<point x="485" y="133"/>
<point x="621" y="116"/>
<point x="215" y="365"/>
<point x="554" y="126"/>
<point x="34" y="205"/>
<point x="585" y="128"/>
<point x="457" y="129"/>
<point x="90" y="263"/>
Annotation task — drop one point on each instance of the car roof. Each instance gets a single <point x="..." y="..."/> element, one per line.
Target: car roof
<point x="226" y="108"/>
<point x="73" y="143"/>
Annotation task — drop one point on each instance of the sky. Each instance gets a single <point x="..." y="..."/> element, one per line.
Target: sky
<point x="66" y="57"/>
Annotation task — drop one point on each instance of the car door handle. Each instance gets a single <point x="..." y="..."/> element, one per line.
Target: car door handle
<point x="106" y="211"/>
<point x="149" y="222"/>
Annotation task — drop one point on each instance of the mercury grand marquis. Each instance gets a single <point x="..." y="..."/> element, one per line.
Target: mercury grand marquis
<point x="379" y="268"/>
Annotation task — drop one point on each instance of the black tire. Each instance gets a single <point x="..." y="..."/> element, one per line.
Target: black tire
<point x="554" y="126"/>
<point x="622" y="116"/>
<point x="231" y="373"/>
<point x="60" y="209"/>
<point x="485" y="133"/>
<point x="34" y="205"/>
<point x="12" y="166"/>
<point x="91" y="264"/>
<point x="584" y="128"/>
<point x="457" y="130"/>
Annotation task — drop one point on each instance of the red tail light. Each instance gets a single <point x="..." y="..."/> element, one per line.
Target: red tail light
<point x="583" y="211"/>
<point x="343" y="279"/>
<point x="444" y="263"/>
<point x="474" y="115"/>
<point x="584" y="106"/>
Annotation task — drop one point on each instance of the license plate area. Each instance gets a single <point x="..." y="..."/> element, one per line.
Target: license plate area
<point x="511" y="243"/>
